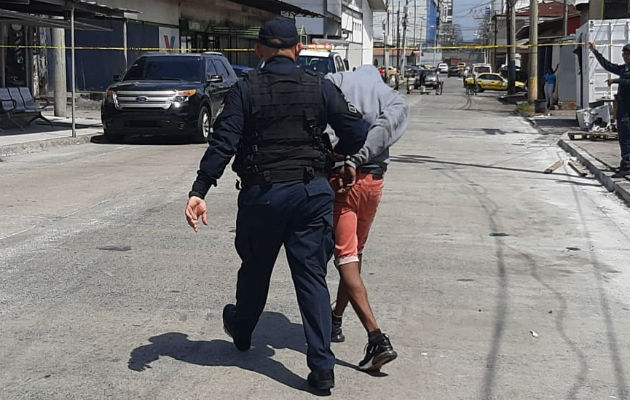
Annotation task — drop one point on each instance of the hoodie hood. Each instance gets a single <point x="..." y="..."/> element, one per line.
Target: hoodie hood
<point x="366" y="90"/>
<point x="384" y="108"/>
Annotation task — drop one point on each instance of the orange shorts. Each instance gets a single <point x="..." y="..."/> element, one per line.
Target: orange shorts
<point x="353" y="215"/>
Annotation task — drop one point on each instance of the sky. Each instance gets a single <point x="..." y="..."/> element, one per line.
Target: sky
<point x="464" y="13"/>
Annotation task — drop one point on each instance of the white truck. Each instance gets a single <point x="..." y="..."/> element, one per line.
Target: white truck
<point x="323" y="58"/>
<point x="609" y="35"/>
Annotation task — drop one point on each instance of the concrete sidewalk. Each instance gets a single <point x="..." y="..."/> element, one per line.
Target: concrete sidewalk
<point x="40" y="135"/>
<point x="601" y="157"/>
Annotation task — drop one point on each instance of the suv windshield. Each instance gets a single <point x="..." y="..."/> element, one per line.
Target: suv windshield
<point x="481" y="70"/>
<point x="317" y="64"/>
<point x="166" y="68"/>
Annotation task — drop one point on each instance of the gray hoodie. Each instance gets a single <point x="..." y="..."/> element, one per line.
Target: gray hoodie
<point x="381" y="106"/>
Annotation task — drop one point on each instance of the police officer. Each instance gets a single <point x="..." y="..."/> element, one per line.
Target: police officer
<point x="623" y="103"/>
<point x="273" y="121"/>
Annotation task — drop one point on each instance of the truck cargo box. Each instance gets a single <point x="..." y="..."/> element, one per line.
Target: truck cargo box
<point x="609" y="36"/>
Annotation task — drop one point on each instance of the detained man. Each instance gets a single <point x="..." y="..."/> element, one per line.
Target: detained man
<point x="355" y="208"/>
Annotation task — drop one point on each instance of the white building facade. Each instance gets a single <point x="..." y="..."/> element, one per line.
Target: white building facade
<point x="347" y="21"/>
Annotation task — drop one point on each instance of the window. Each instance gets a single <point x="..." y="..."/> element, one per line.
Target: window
<point x="179" y="68"/>
<point x="228" y="68"/>
<point x="339" y="64"/>
<point x="210" y="70"/>
<point x="220" y="68"/>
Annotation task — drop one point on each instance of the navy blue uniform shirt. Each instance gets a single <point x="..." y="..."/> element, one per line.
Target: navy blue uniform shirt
<point x="229" y="126"/>
<point x="623" y="92"/>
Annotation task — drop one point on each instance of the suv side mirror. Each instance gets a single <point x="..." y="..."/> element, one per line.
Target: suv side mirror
<point x="116" y="78"/>
<point x="215" y="78"/>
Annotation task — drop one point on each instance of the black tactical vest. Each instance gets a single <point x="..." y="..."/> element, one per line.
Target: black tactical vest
<point x="283" y="139"/>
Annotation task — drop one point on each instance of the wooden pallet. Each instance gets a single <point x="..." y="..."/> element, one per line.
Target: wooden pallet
<point x="579" y="135"/>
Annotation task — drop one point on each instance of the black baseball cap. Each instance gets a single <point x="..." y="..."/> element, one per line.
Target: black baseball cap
<point x="626" y="48"/>
<point x="279" y="33"/>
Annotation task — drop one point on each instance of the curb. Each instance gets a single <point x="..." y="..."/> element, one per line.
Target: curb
<point x="598" y="169"/>
<point x="41" y="145"/>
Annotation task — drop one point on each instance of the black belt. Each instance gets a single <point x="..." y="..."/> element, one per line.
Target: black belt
<point x="305" y="174"/>
<point x="377" y="172"/>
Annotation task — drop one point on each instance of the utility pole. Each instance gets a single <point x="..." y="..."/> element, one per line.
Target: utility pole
<point x="511" y="51"/>
<point x="74" y="78"/>
<point x="415" y="21"/>
<point x="404" y="51"/>
<point x="398" y="38"/>
<point x="496" y="32"/>
<point x="435" y="42"/>
<point x="386" y="40"/>
<point x="59" y="71"/>
<point x="533" y="51"/>
<point x="565" y="19"/>
<point x="3" y="54"/>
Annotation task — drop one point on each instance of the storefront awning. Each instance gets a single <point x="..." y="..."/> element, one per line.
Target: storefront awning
<point x="15" y="17"/>
<point x="278" y="7"/>
<point x="82" y="8"/>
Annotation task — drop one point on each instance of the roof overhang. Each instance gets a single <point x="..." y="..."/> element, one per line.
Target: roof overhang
<point x="543" y="27"/>
<point x="82" y="8"/>
<point x="278" y="7"/>
<point x="15" y="17"/>
<point x="377" y="5"/>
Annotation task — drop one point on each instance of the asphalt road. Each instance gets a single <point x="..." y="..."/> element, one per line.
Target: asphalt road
<point x="493" y="280"/>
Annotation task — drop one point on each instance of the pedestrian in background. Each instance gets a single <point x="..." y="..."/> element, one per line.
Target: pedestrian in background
<point x="550" y="86"/>
<point x="355" y="208"/>
<point x="274" y="121"/>
<point x="623" y="103"/>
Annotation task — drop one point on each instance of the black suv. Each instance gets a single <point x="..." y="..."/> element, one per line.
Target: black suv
<point x="168" y="94"/>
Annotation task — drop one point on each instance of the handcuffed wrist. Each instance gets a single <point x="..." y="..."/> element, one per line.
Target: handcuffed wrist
<point x="349" y="162"/>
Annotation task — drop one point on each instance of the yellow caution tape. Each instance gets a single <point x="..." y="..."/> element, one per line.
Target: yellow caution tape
<point x="167" y="49"/>
<point x="45" y="47"/>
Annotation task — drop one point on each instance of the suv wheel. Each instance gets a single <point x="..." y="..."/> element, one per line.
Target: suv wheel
<point x="112" y="137"/>
<point x="204" y="123"/>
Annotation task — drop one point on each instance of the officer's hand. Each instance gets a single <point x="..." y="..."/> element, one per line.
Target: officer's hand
<point x="591" y="46"/>
<point x="338" y="157"/>
<point x="196" y="208"/>
<point x="611" y="81"/>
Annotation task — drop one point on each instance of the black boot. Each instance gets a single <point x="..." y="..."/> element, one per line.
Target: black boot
<point x="378" y="352"/>
<point x="243" y="343"/>
<point x="336" y="334"/>
<point x="321" y="380"/>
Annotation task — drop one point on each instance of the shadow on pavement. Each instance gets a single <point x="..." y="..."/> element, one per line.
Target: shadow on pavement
<point x="274" y="331"/>
<point x="144" y="140"/>
<point x="415" y="159"/>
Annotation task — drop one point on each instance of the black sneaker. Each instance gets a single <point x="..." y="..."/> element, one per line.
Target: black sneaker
<point x="377" y="353"/>
<point x="336" y="334"/>
<point x="621" y="173"/>
<point x="321" y="380"/>
<point x="241" y="343"/>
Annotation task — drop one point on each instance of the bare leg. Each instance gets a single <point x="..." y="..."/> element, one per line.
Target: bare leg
<point x="352" y="288"/>
<point x="342" y="294"/>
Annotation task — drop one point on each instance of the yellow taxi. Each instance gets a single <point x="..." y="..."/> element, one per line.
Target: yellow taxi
<point x="492" y="81"/>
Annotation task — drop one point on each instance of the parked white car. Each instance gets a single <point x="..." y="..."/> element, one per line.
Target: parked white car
<point x="443" y="68"/>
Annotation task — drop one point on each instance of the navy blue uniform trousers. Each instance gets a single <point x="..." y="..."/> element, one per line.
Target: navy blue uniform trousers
<point x="623" y="129"/>
<point x="297" y="215"/>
